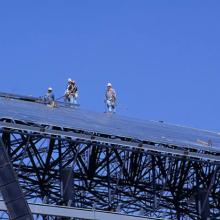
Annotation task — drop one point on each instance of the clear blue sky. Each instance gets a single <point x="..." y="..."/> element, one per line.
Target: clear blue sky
<point x="163" y="57"/>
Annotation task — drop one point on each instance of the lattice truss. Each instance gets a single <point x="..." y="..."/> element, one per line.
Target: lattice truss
<point x="111" y="177"/>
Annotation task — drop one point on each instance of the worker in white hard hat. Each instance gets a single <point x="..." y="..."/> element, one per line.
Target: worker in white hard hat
<point x="49" y="96"/>
<point x="71" y="93"/>
<point x="110" y="98"/>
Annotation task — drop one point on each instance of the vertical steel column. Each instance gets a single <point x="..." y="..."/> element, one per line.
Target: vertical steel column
<point x="16" y="204"/>
<point x="203" y="204"/>
<point x="60" y="167"/>
<point x="109" y="175"/>
<point x="154" y="182"/>
<point x="67" y="178"/>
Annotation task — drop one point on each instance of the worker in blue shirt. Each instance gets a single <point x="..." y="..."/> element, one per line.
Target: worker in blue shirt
<point x="49" y="98"/>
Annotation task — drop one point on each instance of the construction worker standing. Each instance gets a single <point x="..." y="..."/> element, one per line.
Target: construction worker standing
<point x="71" y="93"/>
<point x="49" y="97"/>
<point x="110" y="98"/>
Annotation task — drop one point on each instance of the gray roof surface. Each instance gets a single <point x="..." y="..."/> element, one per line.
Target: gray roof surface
<point x="78" y="118"/>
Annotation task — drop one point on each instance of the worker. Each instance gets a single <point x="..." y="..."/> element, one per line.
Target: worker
<point x="110" y="98"/>
<point x="71" y="93"/>
<point x="49" y="97"/>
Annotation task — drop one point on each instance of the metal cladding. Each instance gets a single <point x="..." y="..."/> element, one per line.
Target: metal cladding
<point x="135" y="129"/>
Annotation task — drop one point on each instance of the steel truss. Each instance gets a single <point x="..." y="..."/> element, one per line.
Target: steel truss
<point x="126" y="176"/>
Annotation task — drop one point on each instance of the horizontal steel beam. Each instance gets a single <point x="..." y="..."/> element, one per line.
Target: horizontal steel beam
<point x="95" y="139"/>
<point x="70" y="212"/>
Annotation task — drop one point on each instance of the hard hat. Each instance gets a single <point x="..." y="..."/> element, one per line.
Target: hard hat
<point x="69" y="80"/>
<point x="109" y="85"/>
<point x="50" y="89"/>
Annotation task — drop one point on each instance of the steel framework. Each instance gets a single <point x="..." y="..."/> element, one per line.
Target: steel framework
<point x="63" y="166"/>
<point x="110" y="174"/>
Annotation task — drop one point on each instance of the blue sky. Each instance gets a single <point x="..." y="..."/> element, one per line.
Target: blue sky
<point x="162" y="56"/>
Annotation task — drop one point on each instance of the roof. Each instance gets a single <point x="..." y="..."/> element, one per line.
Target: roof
<point x="81" y="119"/>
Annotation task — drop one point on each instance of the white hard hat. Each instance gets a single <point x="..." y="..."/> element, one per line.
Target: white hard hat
<point x="50" y="89"/>
<point x="69" y="80"/>
<point x="109" y="85"/>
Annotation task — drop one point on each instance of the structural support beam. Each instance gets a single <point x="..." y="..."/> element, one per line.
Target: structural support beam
<point x="16" y="204"/>
<point x="89" y="214"/>
<point x="203" y="204"/>
<point x="154" y="148"/>
<point x="67" y="188"/>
